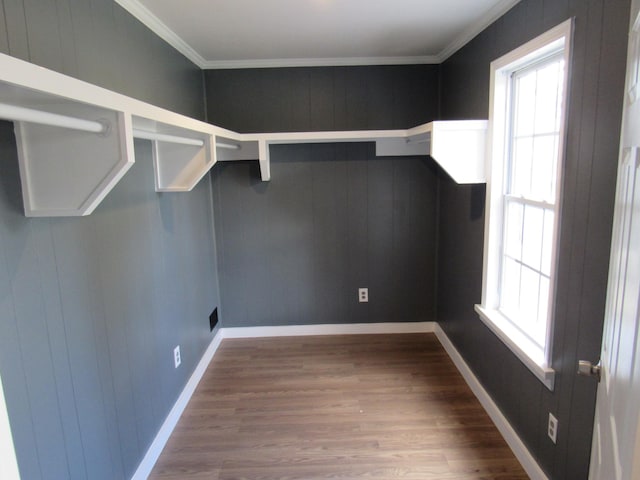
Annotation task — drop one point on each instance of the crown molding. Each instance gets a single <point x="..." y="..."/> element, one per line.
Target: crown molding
<point x="156" y="25"/>
<point x="470" y="33"/>
<point x="139" y="11"/>
<point x="319" y="62"/>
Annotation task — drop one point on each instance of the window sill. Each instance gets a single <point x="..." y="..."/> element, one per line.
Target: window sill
<point x="527" y="352"/>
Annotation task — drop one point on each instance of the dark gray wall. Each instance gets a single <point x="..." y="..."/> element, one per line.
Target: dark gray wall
<point x="333" y="218"/>
<point x="91" y="307"/>
<point x="316" y="99"/>
<point x="99" y="42"/>
<point x="596" y="90"/>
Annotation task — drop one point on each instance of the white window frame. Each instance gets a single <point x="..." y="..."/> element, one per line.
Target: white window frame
<point x="535" y="358"/>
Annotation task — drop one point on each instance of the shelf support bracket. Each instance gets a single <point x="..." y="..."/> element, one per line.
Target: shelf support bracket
<point x="264" y="159"/>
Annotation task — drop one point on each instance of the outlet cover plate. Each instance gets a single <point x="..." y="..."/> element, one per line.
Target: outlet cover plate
<point x="363" y="295"/>
<point x="176" y="357"/>
<point x="552" y="428"/>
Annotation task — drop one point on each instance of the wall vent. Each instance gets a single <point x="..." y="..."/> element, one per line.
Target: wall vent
<point x="213" y="319"/>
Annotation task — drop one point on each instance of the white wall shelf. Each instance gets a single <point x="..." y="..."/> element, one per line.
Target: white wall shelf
<point x="265" y="140"/>
<point x="66" y="171"/>
<point x="75" y="141"/>
<point x="457" y="146"/>
<point x="66" y="168"/>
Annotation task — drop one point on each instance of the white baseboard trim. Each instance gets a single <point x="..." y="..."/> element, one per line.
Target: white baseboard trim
<point x="511" y="437"/>
<point x="329" y="329"/>
<point x="154" y="451"/>
<point x="518" y="448"/>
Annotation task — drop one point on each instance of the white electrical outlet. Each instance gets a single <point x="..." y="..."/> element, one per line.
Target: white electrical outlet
<point x="363" y="295"/>
<point x="176" y="356"/>
<point x="552" y="429"/>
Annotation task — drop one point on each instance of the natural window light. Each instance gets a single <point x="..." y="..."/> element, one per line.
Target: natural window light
<point x="528" y="98"/>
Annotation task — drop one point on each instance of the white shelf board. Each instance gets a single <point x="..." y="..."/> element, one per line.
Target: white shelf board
<point x="329" y="136"/>
<point x="66" y="172"/>
<point x="29" y="79"/>
<point x="457" y="146"/>
<point x="265" y="140"/>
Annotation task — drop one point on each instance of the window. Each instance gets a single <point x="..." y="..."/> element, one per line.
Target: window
<point x="526" y="121"/>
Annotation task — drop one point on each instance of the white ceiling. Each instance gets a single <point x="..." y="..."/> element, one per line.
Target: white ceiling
<point x="266" y="33"/>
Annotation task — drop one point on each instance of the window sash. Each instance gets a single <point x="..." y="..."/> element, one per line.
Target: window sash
<point x="534" y="278"/>
<point x="515" y="138"/>
<point x="532" y="324"/>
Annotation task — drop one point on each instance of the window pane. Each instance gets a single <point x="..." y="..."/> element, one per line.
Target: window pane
<point x="510" y="293"/>
<point x="532" y="236"/>
<point x="547" y="242"/>
<point x="529" y="288"/>
<point x="547" y="105"/>
<point x="524" y="104"/>
<point x="521" y="159"/>
<point x="559" y="95"/>
<point x="543" y="168"/>
<point x="513" y="230"/>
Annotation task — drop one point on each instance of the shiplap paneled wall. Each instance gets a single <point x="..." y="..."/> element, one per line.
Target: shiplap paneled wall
<point x="334" y="217"/>
<point x="91" y="307"/>
<point x="322" y="99"/>
<point x="594" y="115"/>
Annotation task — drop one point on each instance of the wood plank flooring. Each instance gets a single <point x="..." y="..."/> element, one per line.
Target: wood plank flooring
<point x="335" y="407"/>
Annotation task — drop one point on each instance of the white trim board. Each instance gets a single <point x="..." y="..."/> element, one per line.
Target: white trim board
<point x="329" y="329"/>
<point x="319" y="62"/>
<point x="158" y="27"/>
<point x="469" y="34"/>
<point x="502" y="424"/>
